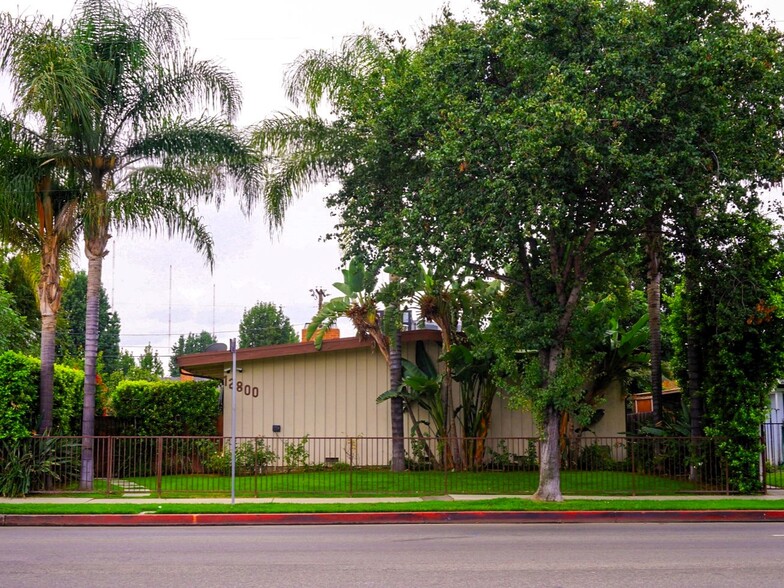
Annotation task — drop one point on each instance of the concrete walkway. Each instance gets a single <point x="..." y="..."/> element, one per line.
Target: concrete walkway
<point x="151" y="518"/>
<point x="773" y="494"/>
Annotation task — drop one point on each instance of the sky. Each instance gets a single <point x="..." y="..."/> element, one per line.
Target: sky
<point x="161" y="287"/>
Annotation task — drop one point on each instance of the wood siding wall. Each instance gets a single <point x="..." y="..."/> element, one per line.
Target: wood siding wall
<point x="333" y="394"/>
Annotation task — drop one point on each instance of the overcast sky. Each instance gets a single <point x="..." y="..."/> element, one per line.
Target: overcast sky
<point x="255" y="40"/>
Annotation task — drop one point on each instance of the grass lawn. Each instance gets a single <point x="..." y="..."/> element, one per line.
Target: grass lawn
<point x="366" y="482"/>
<point x="499" y="504"/>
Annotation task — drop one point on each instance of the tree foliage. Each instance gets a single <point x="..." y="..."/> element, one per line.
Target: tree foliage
<point x="150" y="363"/>
<point x="19" y="382"/>
<point x="535" y="147"/>
<point x="265" y="324"/>
<point x="168" y="408"/>
<point x="15" y="333"/>
<point x="192" y="343"/>
<point x="72" y="339"/>
<point x="735" y="318"/>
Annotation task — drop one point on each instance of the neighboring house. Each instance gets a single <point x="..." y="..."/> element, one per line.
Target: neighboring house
<point x="292" y="390"/>
<point x="671" y="398"/>
<point x="774" y="427"/>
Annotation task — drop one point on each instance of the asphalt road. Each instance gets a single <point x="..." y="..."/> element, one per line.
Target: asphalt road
<point x="447" y="556"/>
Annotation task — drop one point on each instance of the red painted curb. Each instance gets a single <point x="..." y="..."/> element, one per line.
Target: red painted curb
<point x="142" y="520"/>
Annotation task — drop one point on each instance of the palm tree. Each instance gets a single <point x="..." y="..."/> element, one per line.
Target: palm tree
<point x="38" y="215"/>
<point x="306" y="149"/>
<point x="359" y="304"/>
<point x="143" y="160"/>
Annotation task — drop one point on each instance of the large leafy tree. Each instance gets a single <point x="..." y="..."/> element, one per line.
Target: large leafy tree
<point x="526" y="126"/>
<point x="553" y="133"/>
<point x="730" y="322"/>
<point x="192" y="343"/>
<point x="265" y="324"/>
<point x="710" y="140"/>
<point x="127" y="130"/>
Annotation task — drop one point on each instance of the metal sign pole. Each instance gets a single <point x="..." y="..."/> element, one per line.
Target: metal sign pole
<point x="233" y="348"/>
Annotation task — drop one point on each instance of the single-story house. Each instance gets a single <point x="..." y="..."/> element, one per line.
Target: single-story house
<point x="291" y="390"/>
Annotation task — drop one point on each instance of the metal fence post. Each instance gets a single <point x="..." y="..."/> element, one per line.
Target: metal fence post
<point x="634" y="488"/>
<point x="351" y="466"/>
<point x="159" y="466"/>
<point x="444" y="444"/>
<point x="763" y="460"/>
<point x="109" y="465"/>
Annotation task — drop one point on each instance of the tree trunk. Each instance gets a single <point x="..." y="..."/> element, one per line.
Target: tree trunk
<point x="96" y="251"/>
<point x="550" y="459"/>
<point x="46" y="399"/>
<point x="653" y="290"/>
<point x="395" y="377"/>
<point x="49" y="294"/>
<point x="693" y="353"/>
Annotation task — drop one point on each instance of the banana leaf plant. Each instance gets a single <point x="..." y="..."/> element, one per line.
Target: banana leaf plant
<point x="358" y="303"/>
<point x="421" y="387"/>
<point x="471" y="368"/>
<point x="618" y="354"/>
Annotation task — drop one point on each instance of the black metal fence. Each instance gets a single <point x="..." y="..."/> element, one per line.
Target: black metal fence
<point x="773" y="437"/>
<point x="360" y="466"/>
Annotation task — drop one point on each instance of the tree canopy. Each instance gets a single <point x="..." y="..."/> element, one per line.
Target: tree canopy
<point x="265" y="324"/>
<point x="537" y="147"/>
<point x="192" y="343"/>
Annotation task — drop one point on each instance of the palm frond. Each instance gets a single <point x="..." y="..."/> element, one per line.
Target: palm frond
<point x="47" y="72"/>
<point x="154" y="212"/>
<point x="205" y="148"/>
<point x="187" y="84"/>
<point x="318" y="75"/>
<point x="299" y="152"/>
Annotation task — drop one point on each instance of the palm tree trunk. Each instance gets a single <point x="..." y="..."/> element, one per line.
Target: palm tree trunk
<point x="653" y="290"/>
<point x="395" y="377"/>
<point x="96" y="251"/>
<point x="49" y="293"/>
<point x="46" y="399"/>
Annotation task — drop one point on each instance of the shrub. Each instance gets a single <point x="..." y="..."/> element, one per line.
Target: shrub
<point x="419" y="458"/>
<point x="168" y="408"/>
<point x="251" y="458"/>
<point x="595" y="457"/>
<point x="26" y="464"/>
<point x="19" y="392"/>
<point x="295" y="454"/>
<point x="501" y="459"/>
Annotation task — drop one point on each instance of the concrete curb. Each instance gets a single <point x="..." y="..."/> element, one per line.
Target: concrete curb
<point x="157" y="520"/>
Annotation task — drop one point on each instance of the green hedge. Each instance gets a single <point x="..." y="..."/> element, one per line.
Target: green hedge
<point x="19" y="389"/>
<point x="167" y="407"/>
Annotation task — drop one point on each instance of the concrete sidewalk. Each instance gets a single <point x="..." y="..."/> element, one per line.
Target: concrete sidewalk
<point x="151" y="518"/>
<point x="773" y="494"/>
